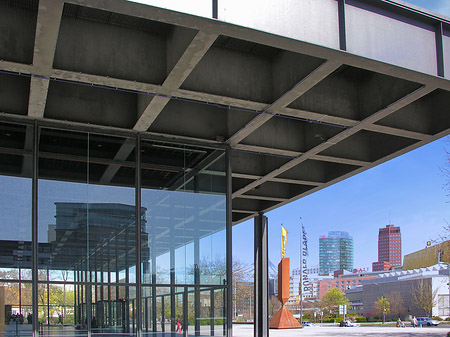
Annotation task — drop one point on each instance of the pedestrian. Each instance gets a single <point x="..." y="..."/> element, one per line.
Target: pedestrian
<point x="178" y="325"/>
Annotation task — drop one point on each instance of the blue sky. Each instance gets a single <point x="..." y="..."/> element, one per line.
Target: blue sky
<point x="406" y="191"/>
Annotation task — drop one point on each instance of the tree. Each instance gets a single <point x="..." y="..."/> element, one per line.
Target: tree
<point x="382" y="307"/>
<point x="331" y="300"/>
<point x="424" y="297"/>
<point x="214" y="272"/>
<point x="397" y="303"/>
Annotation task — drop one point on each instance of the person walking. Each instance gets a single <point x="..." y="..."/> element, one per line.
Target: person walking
<point x="178" y="325"/>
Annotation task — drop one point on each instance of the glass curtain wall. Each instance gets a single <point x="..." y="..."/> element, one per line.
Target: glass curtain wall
<point x="88" y="235"/>
<point x="184" y="243"/>
<point x="16" y="143"/>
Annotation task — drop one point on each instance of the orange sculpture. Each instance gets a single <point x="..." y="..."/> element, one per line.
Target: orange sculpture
<point x="284" y="319"/>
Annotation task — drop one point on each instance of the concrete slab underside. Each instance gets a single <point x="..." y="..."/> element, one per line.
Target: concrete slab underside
<point x="298" y="117"/>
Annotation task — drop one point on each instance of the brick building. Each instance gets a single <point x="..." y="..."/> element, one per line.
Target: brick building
<point x="344" y="281"/>
<point x="389" y="249"/>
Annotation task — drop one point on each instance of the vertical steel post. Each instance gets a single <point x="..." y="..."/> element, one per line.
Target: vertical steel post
<point x="342" y="33"/>
<point x="229" y="251"/>
<point x="34" y="231"/>
<point x="215" y="5"/>
<point x="152" y="250"/>
<point x="163" y="317"/>
<point x="440" y="49"/>
<point x="185" y="312"/>
<point x="211" y="311"/>
<point x="197" y="282"/>
<point x="261" y="293"/>
<point x="138" y="312"/>
<point x="172" y="287"/>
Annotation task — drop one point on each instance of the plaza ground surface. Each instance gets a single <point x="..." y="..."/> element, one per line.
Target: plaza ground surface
<point x="247" y="331"/>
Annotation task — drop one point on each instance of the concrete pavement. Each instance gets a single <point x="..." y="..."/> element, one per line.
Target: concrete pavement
<point x="319" y="331"/>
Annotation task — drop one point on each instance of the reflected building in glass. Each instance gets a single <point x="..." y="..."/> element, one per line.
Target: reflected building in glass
<point x="103" y="264"/>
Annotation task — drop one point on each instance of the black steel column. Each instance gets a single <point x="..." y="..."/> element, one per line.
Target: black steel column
<point x="261" y="293"/>
<point x="172" y="288"/>
<point x="185" y="312"/>
<point x="211" y="311"/>
<point x="154" y="313"/>
<point x="163" y="317"/>
<point x="215" y="9"/>
<point x="34" y="231"/>
<point x="229" y="251"/>
<point x="342" y="33"/>
<point x="440" y="49"/>
<point x="75" y="294"/>
<point x="138" y="312"/>
<point x="197" y="282"/>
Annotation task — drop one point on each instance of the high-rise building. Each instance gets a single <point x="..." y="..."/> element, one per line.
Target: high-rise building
<point x="335" y="252"/>
<point x="389" y="248"/>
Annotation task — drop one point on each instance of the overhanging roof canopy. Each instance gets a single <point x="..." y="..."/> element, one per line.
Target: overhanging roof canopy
<point x="298" y="116"/>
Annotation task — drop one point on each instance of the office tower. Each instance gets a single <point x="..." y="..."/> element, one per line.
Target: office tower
<point x="335" y="252"/>
<point x="389" y="248"/>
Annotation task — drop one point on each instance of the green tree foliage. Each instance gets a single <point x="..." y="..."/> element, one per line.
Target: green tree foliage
<point x="331" y="301"/>
<point x="382" y="306"/>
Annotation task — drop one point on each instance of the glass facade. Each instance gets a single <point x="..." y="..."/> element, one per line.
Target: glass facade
<point x="335" y="252"/>
<point x="130" y="234"/>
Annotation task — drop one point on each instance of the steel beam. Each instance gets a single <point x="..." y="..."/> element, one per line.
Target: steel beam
<point x="47" y="29"/>
<point x="299" y="89"/>
<point x="187" y="62"/>
<point x="402" y="102"/>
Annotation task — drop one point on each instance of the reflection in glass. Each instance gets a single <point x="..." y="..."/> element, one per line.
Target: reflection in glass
<point x="184" y="197"/>
<point x="15" y="228"/>
<point x="15" y="201"/>
<point x="15" y="309"/>
<point x="87" y="230"/>
<point x="86" y="234"/>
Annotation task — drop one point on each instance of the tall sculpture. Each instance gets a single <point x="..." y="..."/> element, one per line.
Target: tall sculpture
<point x="283" y="319"/>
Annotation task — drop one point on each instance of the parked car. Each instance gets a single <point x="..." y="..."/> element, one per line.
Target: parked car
<point x="427" y="321"/>
<point x="349" y="323"/>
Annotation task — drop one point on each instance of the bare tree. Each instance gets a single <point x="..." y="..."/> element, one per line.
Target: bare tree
<point x="398" y="307"/>
<point x="424" y="297"/>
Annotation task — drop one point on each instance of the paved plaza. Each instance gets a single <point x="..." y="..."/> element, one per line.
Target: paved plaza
<point x="246" y="330"/>
<point x="378" y="331"/>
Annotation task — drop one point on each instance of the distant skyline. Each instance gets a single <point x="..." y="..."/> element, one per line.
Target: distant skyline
<point x="407" y="191"/>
